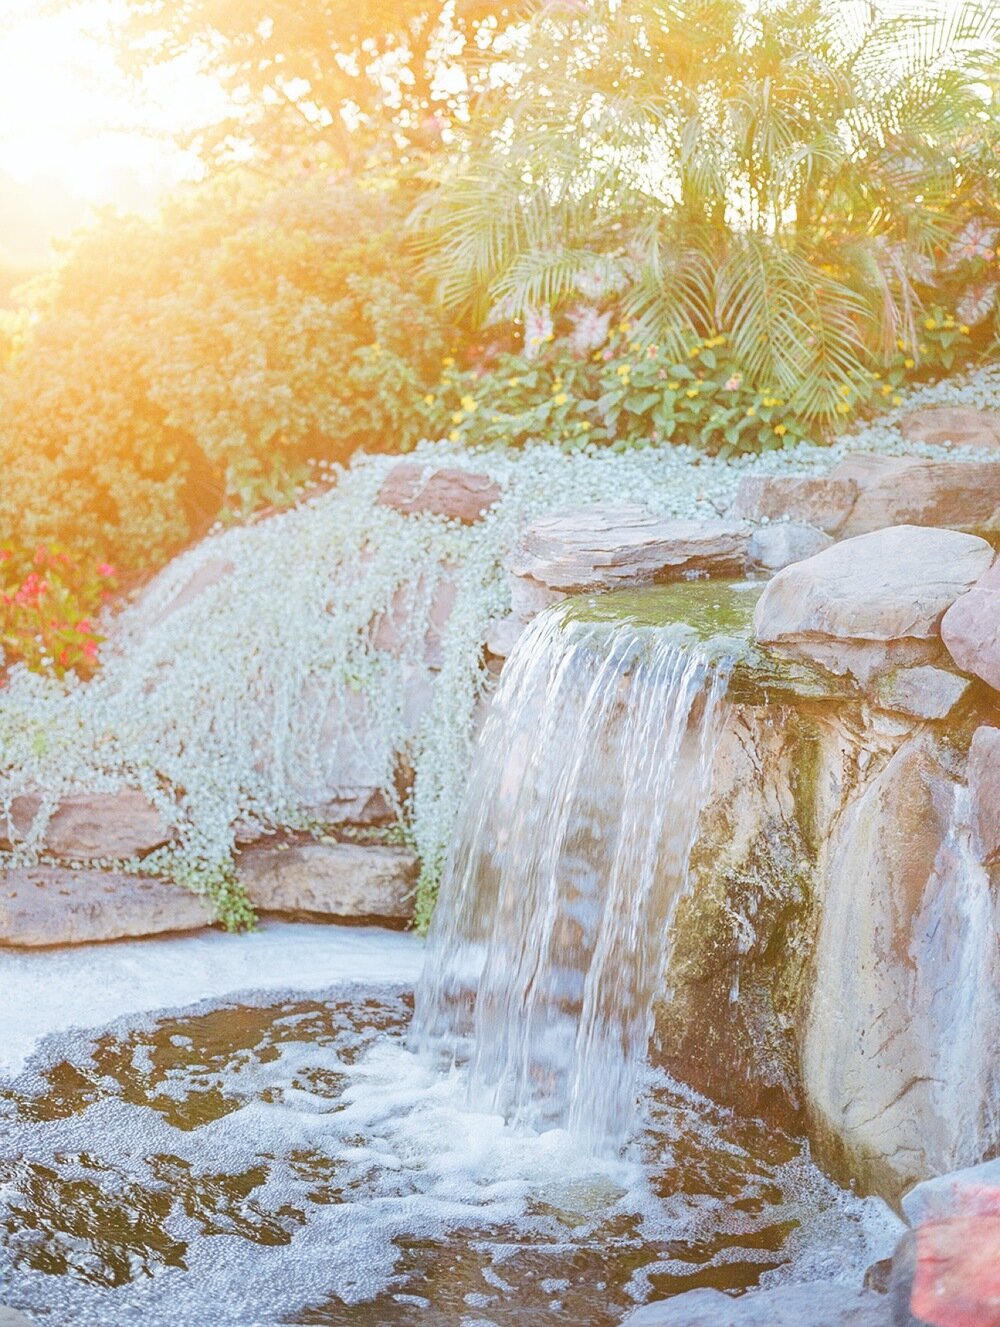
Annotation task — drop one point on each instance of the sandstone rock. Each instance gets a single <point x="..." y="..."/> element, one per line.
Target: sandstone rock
<point x="156" y="603"/>
<point x="895" y="1063"/>
<point x="898" y="490"/>
<point x="95" y="825"/>
<point x="970" y="629"/>
<point x="811" y="1304"/>
<point x="775" y="546"/>
<point x="607" y="545"/>
<point x="816" y="500"/>
<point x="924" y="692"/>
<point x="458" y="494"/>
<point x="391" y="630"/>
<point x="529" y="597"/>
<point x="51" y="905"/>
<point x="955" y="1194"/>
<point x="332" y="879"/>
<point x="947" y="1273"/>
<point x="503" y="634"/>
<point x="962" y="425"/>
<point x="889" y="586"/>
<point x="983" y="775"/>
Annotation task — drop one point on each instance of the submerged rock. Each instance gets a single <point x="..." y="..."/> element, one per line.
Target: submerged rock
<point x="356" y="880"/>
<point x="460" y="495"/>
<point x="811" y="1304"/>
<point x="53" y="905"/>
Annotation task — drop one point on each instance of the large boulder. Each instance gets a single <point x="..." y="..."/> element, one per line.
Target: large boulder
<point x="460" y="495"/>
<point x="90" y="826"/>
<point x="971" y="629"/>
<point x="51" y="905"/>
<point x="845" y="606"/>
<point x="346" y="880"/>
<point x="808" y="1304"/>
<point x="898" y="1059"/>
<point x="960" y="425"/>
<point x="607" y="545"/>
<point x="902" y="490"/>
<point x="816" y="500"/>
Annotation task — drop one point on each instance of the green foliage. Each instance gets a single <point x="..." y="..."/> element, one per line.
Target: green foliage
<point x="173" y="367"/>
<point x="799" y="175"/>
<point x="628" y="393"/>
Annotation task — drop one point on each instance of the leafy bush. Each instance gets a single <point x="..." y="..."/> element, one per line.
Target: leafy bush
<point x="628" y="393"/>
<point x="48" y="606"/>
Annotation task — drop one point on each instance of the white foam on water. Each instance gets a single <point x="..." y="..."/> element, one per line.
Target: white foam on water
<point x="88" y="986"/>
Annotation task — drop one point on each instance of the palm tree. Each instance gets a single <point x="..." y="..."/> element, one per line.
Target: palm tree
<point x="789" y="174"/>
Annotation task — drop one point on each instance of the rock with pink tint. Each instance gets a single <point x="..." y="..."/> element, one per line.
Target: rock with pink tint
<point x="960" y="425"/>
<point x="971" y="629"/>
<point x="461" y="495"/>
<point x="983" y="778"/>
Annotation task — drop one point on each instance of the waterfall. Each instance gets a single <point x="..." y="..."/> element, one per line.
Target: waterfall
<point x="571" y="853"/>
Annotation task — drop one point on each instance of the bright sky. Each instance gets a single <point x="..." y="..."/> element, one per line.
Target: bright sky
<point x="73" y="130"/>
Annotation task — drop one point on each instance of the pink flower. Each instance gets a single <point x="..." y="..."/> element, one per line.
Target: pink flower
<point x="733" y="382"/>
<point x="105" y="569"/>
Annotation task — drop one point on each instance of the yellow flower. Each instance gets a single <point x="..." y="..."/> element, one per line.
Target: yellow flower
<point x="674" y="386"/>
<point x="454" y="435"/>
<point x="469" y="405"/>
<point x="781" y="430"/>
<point x="557" y="385"/>
<point x="694" y="352"/>
<point x="551" y="337"/>
<point x="876" y="376"/>
<point x="752" y="410"/>
<point x="691" y="392"/>
<point x="582" y="425"/>
<point x="843" y="408"/>
<point x="949" y="321"/>
<point x="457" y="417"/>
<point x="900" y="345"/>
<point x="963" y="328"/>
<point x="625" y="327"/>
<point x="623" y="370"/>
<point x="909" y="363"/>
<point x="886" y="389"/>
<point x="536" y="341"/>
<point x="897" y="400"/>
<point x="845" y="389"/>
<point x="448" y="361"/>
<point x="428" y="399"/>
<point x="930" y="324"/>
<point x="922" y="348"/>
<point x="561" y="398"/>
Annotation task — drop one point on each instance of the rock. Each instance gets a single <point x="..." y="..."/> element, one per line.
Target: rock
<point x="12" y="1318"/>
<point x="983" y="776"/>
<point x="897" y="1060"/>
<point x="503" y="634"/>
<point x="390" y="631"/>
<point x="889" y="586"/>
<point x="902" y="490"/>
<point x="775" y="546"/>
<point x="86" y="826"/>
<point x="53" y="905"/>
<point x="962" y="425"/>
<point x="160" y="599"/>
<point x="529" y="597"/>
<point x="331" y="879"/>
<point x="816" y="500"/>
<point x="461" y="495"/>
<point x="958" y="1193"/>
<point x="809" y="1304"/>
<point x="956" y="1278"/>
<point x="971" y="629"/>
<point x="923" y="692"/>
<point x="607" y="545"/>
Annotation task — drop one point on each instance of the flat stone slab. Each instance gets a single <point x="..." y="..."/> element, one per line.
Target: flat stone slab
<point x="54" y="905"/>
<point x="352" y="880"/>
<point x="810" y="1304"/>
<point x="817" y="500"/>
<point x="903" y="490"/>
<point x="606" y="545"/>
<point x="960" y="425"/>
<point x="924" y="692"/>
<point x="461" y="495"/>
<point x="86" y="826"/>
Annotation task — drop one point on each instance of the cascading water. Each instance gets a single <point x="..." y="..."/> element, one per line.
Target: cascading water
<point x="571" y="853"/>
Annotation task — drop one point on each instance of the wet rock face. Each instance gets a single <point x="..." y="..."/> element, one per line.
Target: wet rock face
<point x="873" y="602"/>
<point x="608" y="545"/>
<point x="896" y="1066"/>
<point x="52" y="905"/>
<point x="460" y="495"/>
<point x="817" y="1304"/>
